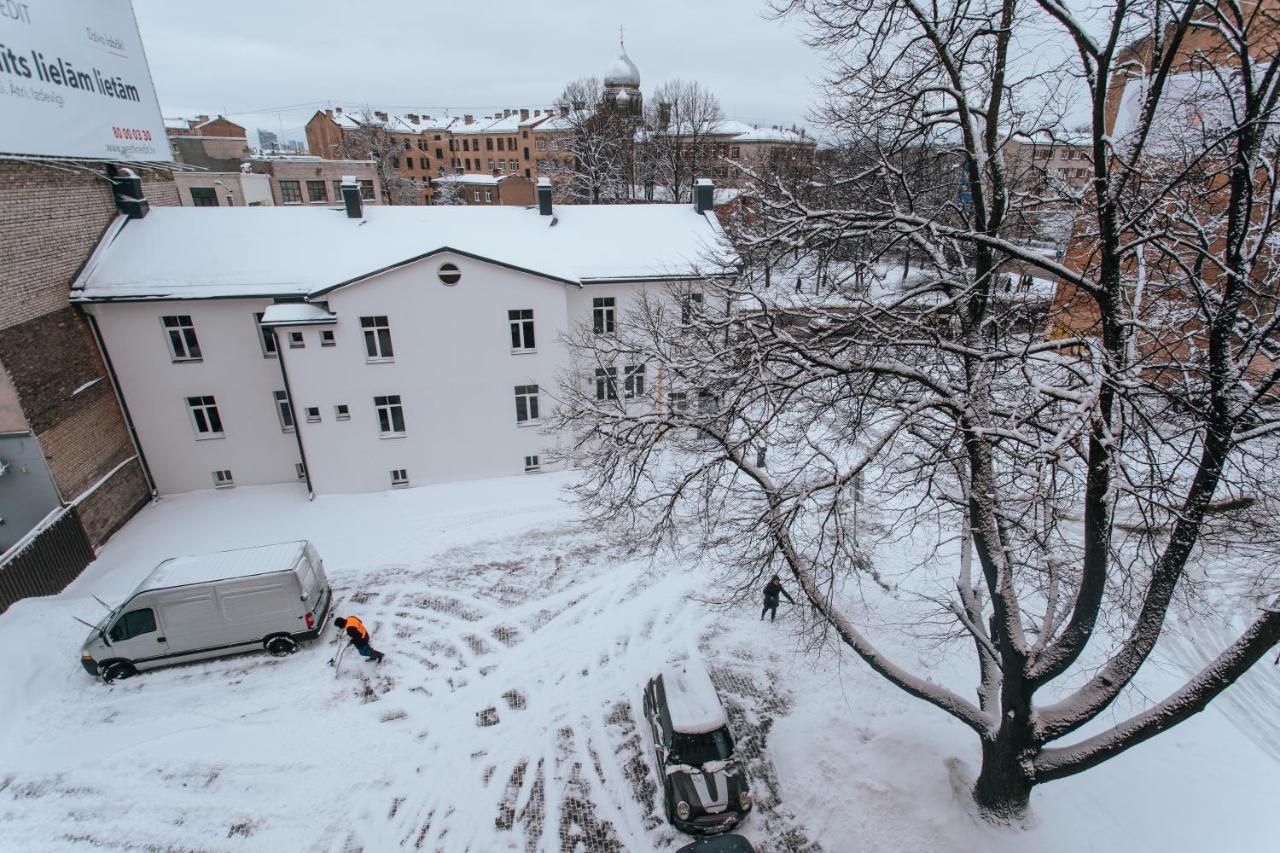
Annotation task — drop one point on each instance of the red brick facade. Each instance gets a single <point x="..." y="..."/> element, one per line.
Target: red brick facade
<point x="51" y="218"/>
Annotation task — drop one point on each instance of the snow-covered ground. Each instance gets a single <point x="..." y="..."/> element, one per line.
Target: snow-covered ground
<point x="505" y="717"/>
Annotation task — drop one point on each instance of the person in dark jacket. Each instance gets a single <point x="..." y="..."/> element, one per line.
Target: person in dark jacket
<point x="358" y="636"/>
<point x="772" y="590"/>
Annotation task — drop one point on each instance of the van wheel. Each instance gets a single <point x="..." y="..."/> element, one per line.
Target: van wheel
<point x="280" y="647"/>
<point x="116" y="670"/>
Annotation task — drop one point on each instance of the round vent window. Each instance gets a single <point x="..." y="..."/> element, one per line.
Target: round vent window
<point x="449" y="274"/>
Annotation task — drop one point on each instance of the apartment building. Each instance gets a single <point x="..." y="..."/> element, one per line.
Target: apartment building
<point x="218" y="126"/>
<point x="303" y="179"/>
<point x="422" y="345"/>
<point x="500" y="144"/>
<point x="414" y="145"/>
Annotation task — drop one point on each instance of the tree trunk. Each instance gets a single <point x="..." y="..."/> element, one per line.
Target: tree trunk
<point x="1003" y="789"/>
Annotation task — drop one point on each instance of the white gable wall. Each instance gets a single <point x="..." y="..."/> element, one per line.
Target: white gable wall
<point x="453" y="369"/>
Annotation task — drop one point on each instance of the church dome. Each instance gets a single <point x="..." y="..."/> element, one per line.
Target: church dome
<point x="622" y="72"/>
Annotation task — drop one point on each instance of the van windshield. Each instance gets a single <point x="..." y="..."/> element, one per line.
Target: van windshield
<point x="697" y="750"/>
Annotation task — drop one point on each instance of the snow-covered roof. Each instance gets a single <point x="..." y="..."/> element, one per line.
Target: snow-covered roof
<point x="502" y="124"/>
<point x="196" y="253"/>
<point x="296" y="314"/>
<point x="622" y="71"/>
<point x="474" y="178"/>
<point x="394" y="122"/>
<point x="202" y="568"/>
<point x="773" y="134"/>
<point x="692" y="700"/>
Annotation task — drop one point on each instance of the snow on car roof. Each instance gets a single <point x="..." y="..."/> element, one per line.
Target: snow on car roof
<point x="692" y="700"/>
<point x="240" y="562"/>
<point x="196" y="253"/>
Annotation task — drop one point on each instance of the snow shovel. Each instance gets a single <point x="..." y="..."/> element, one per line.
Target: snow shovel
<point x="337" y="661"/>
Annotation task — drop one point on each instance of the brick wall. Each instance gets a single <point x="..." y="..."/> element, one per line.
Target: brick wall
<point x="51" y="218"/>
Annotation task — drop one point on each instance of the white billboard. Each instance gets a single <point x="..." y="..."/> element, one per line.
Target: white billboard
<point x="74" y="82"/>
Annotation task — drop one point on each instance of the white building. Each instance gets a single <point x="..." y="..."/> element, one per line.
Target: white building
<point x="359" y="349"/>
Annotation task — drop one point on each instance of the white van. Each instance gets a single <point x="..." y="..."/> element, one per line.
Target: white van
<point x="193" y="608"/>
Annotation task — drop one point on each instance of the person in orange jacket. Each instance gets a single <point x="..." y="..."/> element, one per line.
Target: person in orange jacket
<point x="358" y="636"/>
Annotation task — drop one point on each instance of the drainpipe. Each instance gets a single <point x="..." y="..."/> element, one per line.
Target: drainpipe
<point x="293" y="413"/>
<point x="124" y="407"/>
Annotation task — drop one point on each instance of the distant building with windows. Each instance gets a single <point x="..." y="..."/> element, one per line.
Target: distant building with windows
<point x="373" y="347"/>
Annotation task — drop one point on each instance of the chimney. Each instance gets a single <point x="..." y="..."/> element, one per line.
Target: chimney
<point x="338" y="110"/>
<point x="351" y="197"/>
<point x="468" y="119"/>
<point x="524" y="113"/>
<point x="704" y="191"/>
<point x="506" y="113"/>
<point x="126" y="189"/>
<point x="544" y="196"/>
<point x="413" y="117"/>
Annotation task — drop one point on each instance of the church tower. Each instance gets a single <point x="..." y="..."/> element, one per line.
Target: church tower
<point x="622" y="84"/>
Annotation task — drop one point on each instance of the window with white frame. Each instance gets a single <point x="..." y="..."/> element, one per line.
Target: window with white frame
<point x="602" y="315"/>
<point x="399" y="477"/>
<point x="265" y="337"/>
<point x="204" y="417"/>
<point x="300" y="470"/>
<point x="690" y="307"/>
<point x="532" y="464"/>
<point x="283" y="410"/>
<point x="223" y="479"/>
<point x="488" y="195"/>
<point x="679" y="401"/>
<point x="390" y="415"/>
<point x="296" y="341"/>
<point x="181" y="333"/>
<point x="521" y="320"/>
<point x="313" y="414"/>
<point x="606" y="383"/>
<point x="526" y="403"/>
<point x="327" y="339"/>
<point x="633" y="381"/>
<point x="342" y="412"/>
<point x="475" y="194"/>
<point x="377" y="338"/>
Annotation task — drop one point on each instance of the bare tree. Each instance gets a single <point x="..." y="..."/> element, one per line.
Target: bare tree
<point x="372" y="141"/>
<point x="446" y="191"/>
<point x="681" y="118"/>
<point x="589" y="157"/>
<point x="1083" y="475"/>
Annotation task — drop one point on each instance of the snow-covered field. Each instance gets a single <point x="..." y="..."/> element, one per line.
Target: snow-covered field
<point x="505" y="716"/>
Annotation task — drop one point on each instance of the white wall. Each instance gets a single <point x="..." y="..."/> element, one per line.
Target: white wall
<point x="232" y="369"/>
<point x="453" y="369"/>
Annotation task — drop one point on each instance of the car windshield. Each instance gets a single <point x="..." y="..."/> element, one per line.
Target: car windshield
<point x="697" y="750"/>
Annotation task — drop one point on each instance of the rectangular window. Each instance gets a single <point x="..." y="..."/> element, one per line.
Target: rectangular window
<point x="313" y="414"/>
<point x="390" y="415"/>
<point x="521" y="329"/>
<point x="488" y="143"/>
<point x="439" y="154"/>
<point x="602" y="315"/>
<point x="735" y="152"/>
<point x="475" y="194"/>
<point x="690" y="308"/>
<point x="488" y="196"/>
<point x="526" y="403"/>
<point x="300" y="470"/>
<point x="337" y="190"/>
<point x="342" y="412"/>
<point x="296" y="341"/>
<point x="377" y="338"/>
<point x="317" y="191"/>
<point x="366" y="190"/>
<point x="283" y="410"/>
<point x="399" y="477"/>
<point x="532" y="464"/>
<point x="408" y="163"/>
<point x="423" y="164"/>
<point x="633" y="381"/>
<point x="135" y="623"/>
<point x="326" y="338"/>
<point x="223" y="479"/>
<point x="679" y="401"/>
<point x="290" y="192"/>
<point x="204" y="197"/>
<point x="181" y="332"/>
<point x="204" y="417"/>
<point x="511" y="164"/>
<point x="706" y="403"/>
<point x="606" y="383"/>
<point x="265" y="337"/>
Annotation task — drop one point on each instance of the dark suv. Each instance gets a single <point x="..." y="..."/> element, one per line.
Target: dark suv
<point x="704" y="784"/>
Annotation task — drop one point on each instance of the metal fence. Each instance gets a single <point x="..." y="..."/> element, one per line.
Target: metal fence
<point x="47" y="562"/>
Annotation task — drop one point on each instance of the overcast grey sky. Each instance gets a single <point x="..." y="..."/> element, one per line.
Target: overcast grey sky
<point x="248" y="60"/>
